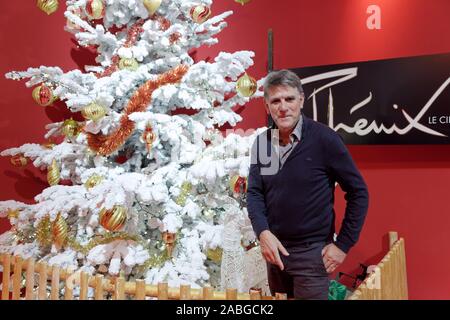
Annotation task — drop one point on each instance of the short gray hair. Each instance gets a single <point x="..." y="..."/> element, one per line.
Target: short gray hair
<point x="282" y="78"/>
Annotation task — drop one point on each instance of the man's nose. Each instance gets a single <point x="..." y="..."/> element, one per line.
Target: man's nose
<point x="283" y="106"/>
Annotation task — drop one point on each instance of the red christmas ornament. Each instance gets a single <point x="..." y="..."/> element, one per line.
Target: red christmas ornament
<point x="200" y="13"/>
<point x="238" y="184"/>
<point x="43" y="95"/>
<point x="19" y="160"/>
<point x="95" y="9"/>
<point x="149" y="137"/>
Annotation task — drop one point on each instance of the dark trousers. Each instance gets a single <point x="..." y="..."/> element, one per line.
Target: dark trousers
<point x="304" y="275"/>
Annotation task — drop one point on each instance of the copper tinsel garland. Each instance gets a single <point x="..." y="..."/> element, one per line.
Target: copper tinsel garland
<point x="105" y="145"/>
<point x="111" y="69"/>
<point x="132" y="37"/>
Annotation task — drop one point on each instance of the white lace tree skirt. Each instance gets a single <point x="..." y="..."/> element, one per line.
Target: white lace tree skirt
<point x="244" y="270"/>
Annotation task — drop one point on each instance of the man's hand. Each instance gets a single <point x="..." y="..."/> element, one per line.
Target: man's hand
<point x="332" y="257"/>
<point x="270" y="247"/>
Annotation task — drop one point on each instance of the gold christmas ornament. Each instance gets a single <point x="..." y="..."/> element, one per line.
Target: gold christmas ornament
<point x="13" y="214"/>
<point x="185" y="190"/>
<point x="113" y="219"/>
<point x="93" y="181"/>
<point x="149" y="137"/>
<point x="215" y="255"/>
<point x="200" y="13"/>
<point x="242" y="2"/>
<point x="95" y="9"/>
<point x="93" y="112"/>
<point x="70" y="128"/>
<point x="128" y="64"/>
<point x="48" y="6"/>
<point x="246" y="86"/>
<point x="53" y="174"/>
<point x="152" y="5"/>
<point x="44" y="232"/>
<point x="43" y="95"/>
<point x="238" y="184"/>
<point x="60" y="230"/>
<point x="19" y="160"/>
<point x="169" y="239"/>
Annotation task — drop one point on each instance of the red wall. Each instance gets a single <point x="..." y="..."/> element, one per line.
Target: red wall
<point x="408" y="184"/>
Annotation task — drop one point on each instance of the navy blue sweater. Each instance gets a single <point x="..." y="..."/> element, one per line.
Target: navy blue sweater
<point x="296" y="204"/>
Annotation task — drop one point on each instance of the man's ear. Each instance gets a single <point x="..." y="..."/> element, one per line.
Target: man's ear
<point x="303" y="100"/>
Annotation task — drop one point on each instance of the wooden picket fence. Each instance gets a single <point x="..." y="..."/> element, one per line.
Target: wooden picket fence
<point x="31" y="281"/>
<point x="388" y="281"/>
<point x="51" y="279"/>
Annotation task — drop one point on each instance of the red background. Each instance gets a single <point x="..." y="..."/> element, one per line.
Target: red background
<point x="408" y="184"/>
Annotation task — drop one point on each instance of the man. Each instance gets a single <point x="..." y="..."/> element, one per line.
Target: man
<point x="290" y="197"/>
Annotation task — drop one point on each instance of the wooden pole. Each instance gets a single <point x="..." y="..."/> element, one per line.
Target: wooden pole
<point x="17" y="278"/>
<point x="68" y="291"/>
<point x="185" y="292"/>
<point x="29" y="294"/>
<point x="270" y="51"/>
<point x="255" y="294"/>
<point x="270" y="55"/>
<point x="363" y="289"/>
<point x="99" y="287"/>
<point x="6" y="275"/>
<point x="280" y="296"/>
<point x="140" y="289"/>
<point x="163" y="291"/>
<point x="71" y="278"/>
<point x="208" y="293"/>
<point x="404" y="276"/>
<point x="84" y="285"/>
<point x="54" y="293"/>
<point x="120" y="289"/>
<point x="396" y="270"/>
<point x="42" y="290"/>
<point x="393" y="237"/>
<point x="231" y="294"/>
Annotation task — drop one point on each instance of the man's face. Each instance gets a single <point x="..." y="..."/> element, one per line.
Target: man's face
<point x="284" y="104"/>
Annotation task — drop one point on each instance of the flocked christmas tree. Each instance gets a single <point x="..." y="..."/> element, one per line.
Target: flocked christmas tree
<point x="173" y="208"/>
